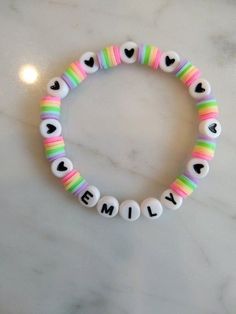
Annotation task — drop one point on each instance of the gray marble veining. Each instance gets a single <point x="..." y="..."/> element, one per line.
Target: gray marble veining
<point x="129" y="131"/>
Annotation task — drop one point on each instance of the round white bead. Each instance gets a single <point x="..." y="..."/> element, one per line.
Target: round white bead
<point x="171" y="200"/>
<point x="200" y="88"/>
<point x="108" y="206"/>
<point x="129" y="52"/>
<point x="151" y="208"/>
<point x="89" y="62"/>
<point x="50" y="128"/>
<point x="61" y="166"/>
<point x="90" y="196"/>
<point x="210" y="128"/>
<point x="169" y="61"/>
<point x="198" y="168"/>
<point x="57" y="87"/>
<point x="129" y="210"/>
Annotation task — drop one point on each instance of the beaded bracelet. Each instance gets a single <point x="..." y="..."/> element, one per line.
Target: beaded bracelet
<point x="203" y="151"/>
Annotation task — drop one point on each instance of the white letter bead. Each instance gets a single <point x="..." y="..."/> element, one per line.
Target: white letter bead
<point x="210" y="128"/>
<point x="169" y="61"/>
<point x="129" y="52"/>
<point x="108" y="206"/>
<point x="57" y="87"/>
<point x="200" y="88"/>
<point x="61" y="166"/>
<point x="171" y="200"/>
<point x="198" y="168"/>
<point x="89" y="62"/>
<point x="151" y="208"/>
<point x="129" y="210"/>
<point x="90" y="196"/>
<point x="50" y="128"/>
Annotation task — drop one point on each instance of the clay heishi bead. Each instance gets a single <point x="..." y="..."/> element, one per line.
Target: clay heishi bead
<point x="61" y="166"/>
<point x="57" y="87"/>
<point x="89" y="62"/>
<point x="200" y="88"/>
<point x="129" y="210"/>
<point x="50" y="128"/>
<point x="108" y="206"/>
<point x="151" y="208"/>
<point x="171" y="200"/>
<point x="210" y="128"/>
<point x="197" y="168"/>
<point x="90" y="196"/>
<point x="169" y="62"/>
<point x="129" y="52"/>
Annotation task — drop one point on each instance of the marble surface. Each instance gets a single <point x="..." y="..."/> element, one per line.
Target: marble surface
<point x="130" y="131"/>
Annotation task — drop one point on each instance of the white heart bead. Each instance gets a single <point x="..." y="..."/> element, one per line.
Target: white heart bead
<point x="200" y="88"/>
<point x="198" y="168"/>
<point x="89" y="62"/>
<point x="108" y="206"/>
<point x="129" y="210"/>
<point x="210" y="128"/>
<point x="169" y="61"/>
<point x="129" y="52"/>
<point x="57" y="87"/>
<point x="90" y="196"/>
<point x="61" y="166"/>
<point x="171" y="200"/>
<point x="50" y="128"/>
<point x="151" y="208"/>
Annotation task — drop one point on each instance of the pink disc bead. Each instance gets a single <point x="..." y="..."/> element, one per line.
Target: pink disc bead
<point x="149" y="55"/>
<point x="204" y="148"/>
<point x="54" y="147"/>
<point x="109" y="57"/>
<point x="74" y="75"/>
<point x="183" y="185"/>
<point x="74" y="182"/>
<point x="187" y="72"/>
<point x="50" y="107"/>
<point x="207" y="108"/>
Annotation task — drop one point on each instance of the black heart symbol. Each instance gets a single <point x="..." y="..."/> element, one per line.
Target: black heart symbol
<point x="169" y="61"/>
<point x="129" y="52"/>
<point x="56" y="86"/>
<point x="212" y="127"/>
<point x="198" y="167"/>
<point x="51" y="128"/>
<point x="89" y="62"/>
<point x="61" y="166"/>
<point x="199" y="88"/>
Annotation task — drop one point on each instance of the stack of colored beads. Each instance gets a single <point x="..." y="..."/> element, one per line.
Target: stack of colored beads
<point x="74" y="182"/>
<point x="109" y="57"/>
<point x="204" y="148"/>
<point x="183" y="186"/>
<point x="50" y="107"/>
<point x="187" y="72"/>
<point x="149" y="55"/>
<point x="54" y="147"/>
<point x="74" y="75"/>
<point x="207" y="108"/>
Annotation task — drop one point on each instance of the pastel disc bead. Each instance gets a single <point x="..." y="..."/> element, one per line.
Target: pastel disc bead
<point x="89" y="196"/>
<point x="129" y="210"/>
<point x="210" y="128"/>
<point x="197" y="168"/>
<point x="129" y="52"/>
<point x="169" y="61"/>
<point x="171" y="200"/>
<point x="57" y="87"/>
<point x="50" y="128"/>
<point x="108" y="206"/>
<point x="61" y="166"/>
<point x="151" y="208"/>
<point x="200" y="88"/>
<point x="89" y="62"/>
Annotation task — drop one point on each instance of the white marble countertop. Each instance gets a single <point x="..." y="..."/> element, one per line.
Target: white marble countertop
<point x="130" y="132"/>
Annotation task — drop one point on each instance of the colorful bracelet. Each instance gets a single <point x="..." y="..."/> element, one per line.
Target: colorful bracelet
<point x="203" y="151"/>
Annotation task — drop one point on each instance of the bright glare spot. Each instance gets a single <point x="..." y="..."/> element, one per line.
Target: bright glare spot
<point x="28" y="74"/>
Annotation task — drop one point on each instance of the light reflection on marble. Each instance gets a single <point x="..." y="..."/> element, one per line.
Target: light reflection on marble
<point x="130" y="131"/>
